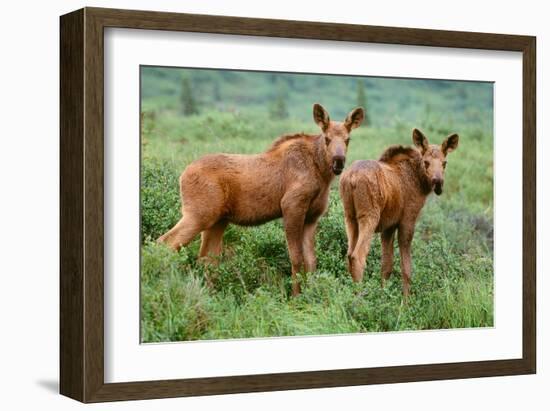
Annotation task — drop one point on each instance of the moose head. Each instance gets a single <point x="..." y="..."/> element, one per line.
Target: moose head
<point x="336" y="135"/>
<point x="434" y="157"/>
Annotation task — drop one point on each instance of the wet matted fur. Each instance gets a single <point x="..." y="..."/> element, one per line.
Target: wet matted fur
<point x="290" y="180"/>
<point x="386" y="196"/>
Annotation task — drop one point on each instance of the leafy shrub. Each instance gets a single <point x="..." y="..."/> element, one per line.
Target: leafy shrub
<point x="176" y="303"/>
<point x="248" y="293"/>
<point x="160" y="200"/>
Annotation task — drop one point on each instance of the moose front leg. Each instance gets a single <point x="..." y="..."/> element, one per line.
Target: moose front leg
<point x="294" y="239"/>
<point x="310" y="260"/>
<point x="294" y="214"/>
<point x="405" y="237"/>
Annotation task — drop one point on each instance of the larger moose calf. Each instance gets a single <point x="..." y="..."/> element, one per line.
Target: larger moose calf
<point x="290" y="180"/>
<point x="387" y="195"/>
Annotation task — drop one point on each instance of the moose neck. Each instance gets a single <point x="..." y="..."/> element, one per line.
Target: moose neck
<point x="422" y="182"/>
<point x="323" y="165"/>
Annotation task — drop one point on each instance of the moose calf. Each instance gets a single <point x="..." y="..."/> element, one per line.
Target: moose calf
<point x="290" y="180"/>
<point x="387" y="195"/>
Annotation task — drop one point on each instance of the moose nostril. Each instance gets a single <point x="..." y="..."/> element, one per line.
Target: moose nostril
<point x="338" y="159"/>
<point x="437" y="181"/>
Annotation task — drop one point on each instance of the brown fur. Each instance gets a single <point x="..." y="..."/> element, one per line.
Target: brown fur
<point x="290" y="180"/>
<point x="386" y="196"/>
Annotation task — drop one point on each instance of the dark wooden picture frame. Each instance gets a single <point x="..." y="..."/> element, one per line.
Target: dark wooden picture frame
<point x="82" y="204"/>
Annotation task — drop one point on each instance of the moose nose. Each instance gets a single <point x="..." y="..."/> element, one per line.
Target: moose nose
<point x="437" y="181"/>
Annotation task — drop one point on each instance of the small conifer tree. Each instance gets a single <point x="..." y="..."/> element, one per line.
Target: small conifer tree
<point x="188" y="102"/>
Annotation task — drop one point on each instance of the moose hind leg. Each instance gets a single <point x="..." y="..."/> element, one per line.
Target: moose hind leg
<point x="358" y="262"/>
<point x="211" y="241"/>
<point x="182" y="233"/>
<point x="387" y="238"/>
<point x="352" y="232"/>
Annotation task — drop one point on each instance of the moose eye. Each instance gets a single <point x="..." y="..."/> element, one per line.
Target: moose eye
<point x="426" y="164"/>
<point x="327" y="141"/>
<point x="444" y="164"/>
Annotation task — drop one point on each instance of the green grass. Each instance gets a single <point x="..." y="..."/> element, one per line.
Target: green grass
<point x="248" y="293"/>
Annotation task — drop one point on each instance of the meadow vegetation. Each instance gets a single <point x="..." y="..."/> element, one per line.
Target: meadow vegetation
<point x="248" y="294"/>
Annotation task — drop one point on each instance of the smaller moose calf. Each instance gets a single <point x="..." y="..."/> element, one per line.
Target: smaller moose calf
<point x="387" y="195"/>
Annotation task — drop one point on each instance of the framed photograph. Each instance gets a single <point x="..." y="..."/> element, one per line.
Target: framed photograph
<point x="256" y="205"/>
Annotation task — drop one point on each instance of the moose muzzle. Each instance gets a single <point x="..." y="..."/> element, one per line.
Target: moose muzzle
<point x="437" y="184"/>
<point x="338" y="164"/>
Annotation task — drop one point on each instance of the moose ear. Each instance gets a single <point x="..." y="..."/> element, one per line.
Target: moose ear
<point x="449" y="144"/>
<point x="320" y="116"/>
<point x="420" y="140"/>
<point x="355" y="118"/>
